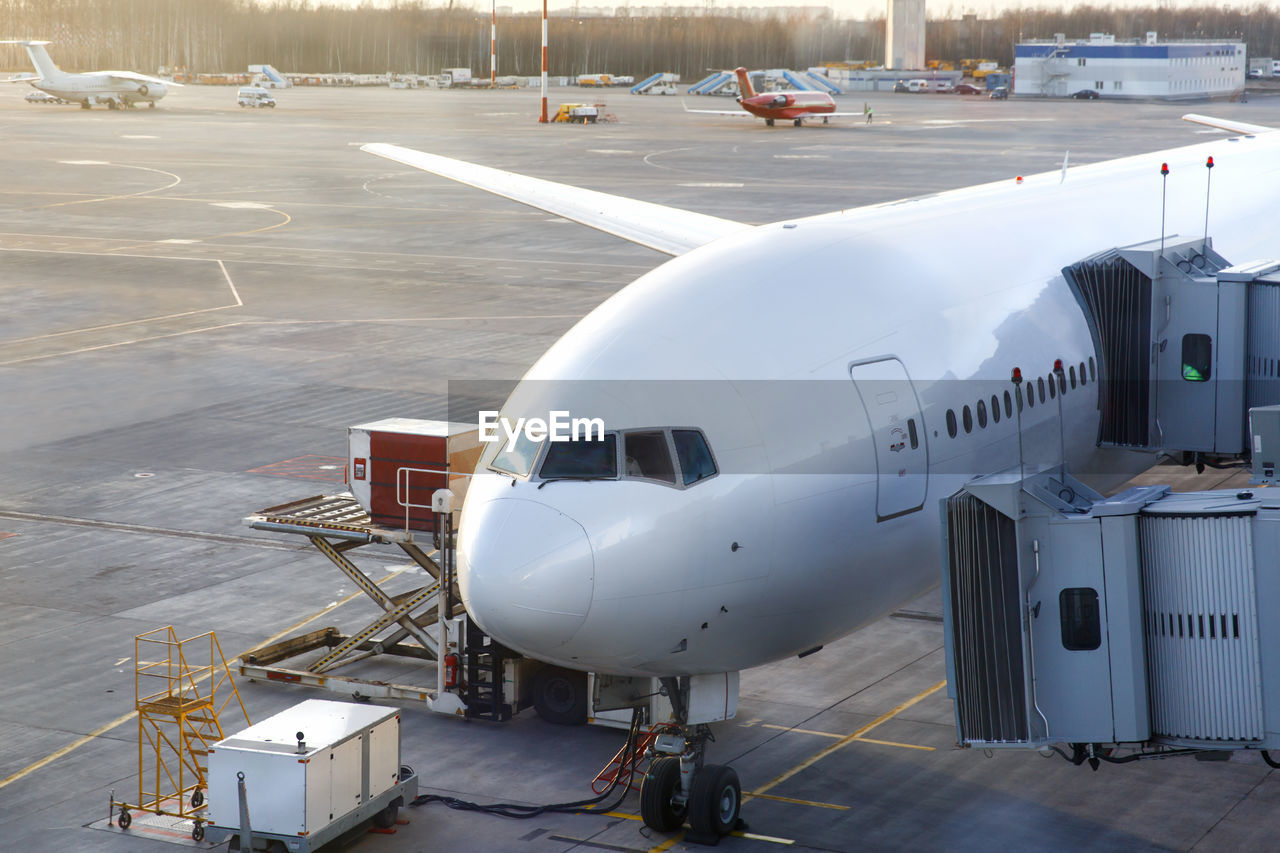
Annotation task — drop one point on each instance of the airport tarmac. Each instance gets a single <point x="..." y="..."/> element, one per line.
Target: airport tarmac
<point x="199" y="299"/>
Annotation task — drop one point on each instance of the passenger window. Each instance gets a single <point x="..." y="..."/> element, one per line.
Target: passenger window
<point x="1073" y="375"/>
<point x="1062" y="382"/>
<point x="1197" y="357"/>
<point x="967" y="416"/>
<point x="581" y="460"/>
<point x="695" y="457"/>
<point x="647" y="456"/>
<point x="951" y="423"/>
<point x="982" y="414"/>
<point x="1093" y="375"/>
<point x="1082" y="379"/>
<point x="1017" y="393"/>
<point x="1053" y="386"/>
<point x="1008" y="405"/>
<point x="995" y="408"/>
<point x="1040" y="387"/>
<point x="1081" y="619"/>
<point x="1031" y="395"/>
<point x="911" y="433"/>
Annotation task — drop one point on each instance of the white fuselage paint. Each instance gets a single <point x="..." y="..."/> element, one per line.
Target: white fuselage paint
<point x="640" y="578"/>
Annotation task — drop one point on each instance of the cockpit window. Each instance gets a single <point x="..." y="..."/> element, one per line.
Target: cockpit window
<point x="694" y="455"/>
<point x="519" y="459"/>
<point x="582" y="459"/>
<point x="648" y="456"/>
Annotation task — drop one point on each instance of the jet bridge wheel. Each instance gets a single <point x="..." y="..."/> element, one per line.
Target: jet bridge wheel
<point x="660" y="813"/>
<point x="768" y="122"/>
<point x="797" y="122"/>
<point x="560" y="696"/>
<point x="715" y="801"/>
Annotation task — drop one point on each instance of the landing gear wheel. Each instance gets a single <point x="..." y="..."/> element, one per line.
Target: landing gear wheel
<point x="197" y="832"/>
<point x="715" y="801"/>
<point x="659" y="812"/>
<point x="386" y="818"/>
<point x="560" y="696"/>
<point x="124" y="820"/>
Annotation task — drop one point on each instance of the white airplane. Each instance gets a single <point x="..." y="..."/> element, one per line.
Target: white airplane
<point x="113" y="88"/>
<point x="786" y="405"/>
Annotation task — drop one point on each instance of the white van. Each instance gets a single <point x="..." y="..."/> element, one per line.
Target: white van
<point x="254" y="96"/>
<point x="917" y="85"/>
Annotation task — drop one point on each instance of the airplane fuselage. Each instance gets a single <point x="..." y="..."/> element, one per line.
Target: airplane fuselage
<point x="103" y="86"/>
<point x="827" y="397"/>
<point x="788" y="105"/>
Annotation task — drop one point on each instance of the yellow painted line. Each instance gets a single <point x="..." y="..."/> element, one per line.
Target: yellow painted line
<point x="785" y="842"/>
<point x="746" y="794"/>
<point x="895" y="743"/>
<point x="847" y="739"/>
<point x="623" y="816"/>
<point x="800" y="731"/>
<point x="668" y="844"/>
<point x="76" y="744"/>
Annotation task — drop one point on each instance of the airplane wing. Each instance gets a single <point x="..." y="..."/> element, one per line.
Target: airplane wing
<point x="138" y="78"/>
<point x="666" y="229"/>
<point x="1227" y="124"/>
<point x="739" y="113"/>
<point x="22" y="80"/>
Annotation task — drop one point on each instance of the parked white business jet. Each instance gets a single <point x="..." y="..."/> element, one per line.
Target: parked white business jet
<point x="113" y="88"/>
<point x="787" y="404"/>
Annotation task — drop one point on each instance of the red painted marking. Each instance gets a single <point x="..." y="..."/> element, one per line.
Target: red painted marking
<point x="4" y="535"/>
<point x="328" y="469"/>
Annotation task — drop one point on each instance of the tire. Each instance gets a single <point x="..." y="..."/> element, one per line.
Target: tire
<point x="197" y="798"/>
<point x="197" y="832"/>
<point x="656" y="789"/>
<point x="386" y="818"/>
<point x="124" y="820"/>
<point x="768" y="122"/>
<point x="560" y="696"/>
<point x="715" y="801"/>
<point x="797" y="122"/>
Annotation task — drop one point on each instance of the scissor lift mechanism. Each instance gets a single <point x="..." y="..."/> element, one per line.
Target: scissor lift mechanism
<point x="431" y="615"/>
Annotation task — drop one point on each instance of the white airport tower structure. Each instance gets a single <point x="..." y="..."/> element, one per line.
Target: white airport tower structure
<point x="904" y="35"/>
<point x="1136" y="68"/>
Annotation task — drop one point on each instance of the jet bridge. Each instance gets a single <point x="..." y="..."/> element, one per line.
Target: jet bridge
<point x="1145" y="619"/>
<point x="1187" y="343"/>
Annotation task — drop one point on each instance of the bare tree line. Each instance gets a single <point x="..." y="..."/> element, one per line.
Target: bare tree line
<point x="414" y="37"/>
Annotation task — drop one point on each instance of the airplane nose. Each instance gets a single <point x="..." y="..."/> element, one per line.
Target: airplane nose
<point x="526" y="573"/>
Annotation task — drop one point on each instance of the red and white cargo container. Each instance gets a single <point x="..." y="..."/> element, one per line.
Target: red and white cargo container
<point x="395" y="465"/>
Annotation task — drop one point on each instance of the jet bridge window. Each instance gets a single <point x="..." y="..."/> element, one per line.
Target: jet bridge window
<point x="1197" y="357"/>
<point x="648" y="457"/>
<point x="582" y="460"/>
<point x="1081" y="619"/>
<point x="695" y="458"/>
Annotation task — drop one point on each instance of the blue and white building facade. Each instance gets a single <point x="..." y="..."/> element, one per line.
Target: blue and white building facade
<point x="1168" y="70"/>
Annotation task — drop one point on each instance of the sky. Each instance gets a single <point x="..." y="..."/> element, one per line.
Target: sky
<point x="841" y="8"/>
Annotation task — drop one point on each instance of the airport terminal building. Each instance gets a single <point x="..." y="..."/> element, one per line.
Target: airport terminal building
<point x="1138" y="68"/>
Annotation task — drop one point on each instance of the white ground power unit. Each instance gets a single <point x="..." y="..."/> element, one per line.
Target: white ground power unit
<point x="309" y="773"/>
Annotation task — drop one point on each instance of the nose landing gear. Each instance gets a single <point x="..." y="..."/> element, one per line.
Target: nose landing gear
<point x="680" y="786"/>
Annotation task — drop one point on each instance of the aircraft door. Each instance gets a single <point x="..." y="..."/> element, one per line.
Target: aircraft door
<point x="897" y="431"/>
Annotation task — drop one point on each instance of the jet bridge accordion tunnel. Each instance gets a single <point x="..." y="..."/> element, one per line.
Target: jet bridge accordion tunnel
<point x="1146" y="620"/>
<point x="1187" y="343"/>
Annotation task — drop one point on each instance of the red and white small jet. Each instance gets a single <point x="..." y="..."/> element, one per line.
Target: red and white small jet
<point x="792" y="105"/>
